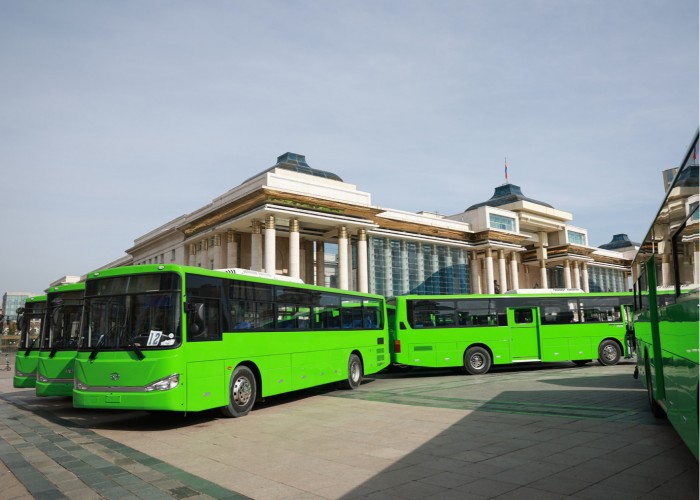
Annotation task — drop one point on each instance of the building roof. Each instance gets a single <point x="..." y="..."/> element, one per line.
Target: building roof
<point x="297" y="163"/>
<point x="505" y="194"/>
<point x="619" y="241"/>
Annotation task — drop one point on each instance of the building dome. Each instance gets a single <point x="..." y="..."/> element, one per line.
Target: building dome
<point x="297" y="163"/>
<point x="619" y="241"/>
<point x="505" y="194"/>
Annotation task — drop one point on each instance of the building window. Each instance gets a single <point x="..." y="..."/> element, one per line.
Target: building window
<point x="693" y="208"/>
<point x="576" y="238"/>
<point x="399" y="267"/>
<point x="604" y="279"/>
<point x="501" y="222"/>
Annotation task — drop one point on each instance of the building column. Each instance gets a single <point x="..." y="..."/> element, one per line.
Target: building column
<point x="217" y="252"/>
<point x="231" y="249"/>
<point x="462" y="263"/>
<point x="584" y="277"/>
<point x="666" y="272"/>
<point x="515" y="279"/>
<point x="502" y="277"/>
<point x="567" y="274"/>
<point x="489" y="272"/>
<point x="543" y="274"/>
<point x="256" y="246"/>
<point x="320" y="264"/>
<point x="294" y="263"/>
<point x="270" y="248"/>
<point x="204" y="257"/>
<point x="475" y="273"/>
<point x="362" y="268"/>
<point x="343" y="258"/>
<point x="191" y="255"/>
<point x="577" y="275"/>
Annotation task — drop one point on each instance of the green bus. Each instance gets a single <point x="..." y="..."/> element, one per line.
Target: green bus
<point x="59" y="340"/>
<point x="666" y="324"/>
<point x="169" y="337"/>
<point x="29" y="321"/>
<point x="474" y="332"/>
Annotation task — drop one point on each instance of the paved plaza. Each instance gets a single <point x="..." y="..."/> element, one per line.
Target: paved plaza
<point x="544" y="432"/>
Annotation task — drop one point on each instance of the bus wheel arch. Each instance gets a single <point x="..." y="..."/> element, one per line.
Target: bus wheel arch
<point x="477" y="359"/>
<point x="609" y="352"/>
<point x="355" y="371"/>
<point x="244" y="387"/>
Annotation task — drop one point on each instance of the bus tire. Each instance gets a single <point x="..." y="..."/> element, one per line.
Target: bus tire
<point x="477" y="360"/>
<point x="654" y="406"/>
<point x="609" y="352"/>
<point x="355" y="373"/>
<point x="242" y="392"/>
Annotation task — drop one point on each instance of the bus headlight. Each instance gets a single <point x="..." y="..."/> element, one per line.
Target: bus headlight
<point x="164" y="384"/>
<point x="41" y="378"/>
<point x="79" y="385"/>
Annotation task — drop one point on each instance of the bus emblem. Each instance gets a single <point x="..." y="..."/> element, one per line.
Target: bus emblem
<point x="114" y="376"/>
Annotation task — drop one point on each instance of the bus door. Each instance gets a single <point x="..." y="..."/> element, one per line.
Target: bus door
<point x="524" y="336"/>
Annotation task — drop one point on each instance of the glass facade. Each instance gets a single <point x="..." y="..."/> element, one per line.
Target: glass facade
<point x="576" y="238"/>
<point x="501" y="222"/>
<point x="400" y="267"/>
<point x="604" y="279"/>
<point x="10" y="303"/>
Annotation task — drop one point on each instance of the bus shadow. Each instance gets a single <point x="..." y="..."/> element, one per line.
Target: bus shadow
<point x="60" y="410"/>
<point x="532" y="444"/>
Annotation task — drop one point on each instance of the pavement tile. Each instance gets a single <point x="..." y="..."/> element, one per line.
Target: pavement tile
<point x="548" y="433"/>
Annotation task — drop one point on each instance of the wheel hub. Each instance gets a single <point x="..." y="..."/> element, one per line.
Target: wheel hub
<point x="242" y="391"/>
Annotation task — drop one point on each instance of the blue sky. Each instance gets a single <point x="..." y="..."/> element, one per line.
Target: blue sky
<point x="117" y="117"/>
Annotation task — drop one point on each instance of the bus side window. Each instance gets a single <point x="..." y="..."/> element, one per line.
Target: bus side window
<point x="523" y="316"/>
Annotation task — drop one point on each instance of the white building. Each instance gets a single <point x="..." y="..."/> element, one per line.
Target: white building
<point x="302" y="222"/>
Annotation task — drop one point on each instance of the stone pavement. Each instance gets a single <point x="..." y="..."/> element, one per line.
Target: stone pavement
<point x="552" y="431"/>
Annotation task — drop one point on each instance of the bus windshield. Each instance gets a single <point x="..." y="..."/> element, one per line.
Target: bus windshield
<point x="141" y="313"/>
<point x="29" y="322"/>
<point x="63" y="320"/>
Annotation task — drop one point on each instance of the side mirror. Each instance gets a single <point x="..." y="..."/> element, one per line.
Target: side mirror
<point x="21" y="322"/>
<point x="55" y="317"/>
<point x="195" y="317"/>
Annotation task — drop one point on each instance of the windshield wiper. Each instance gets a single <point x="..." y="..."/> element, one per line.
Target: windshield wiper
<point x="136" y="349"/>
<point x="30" y="347"/>
<point x="94" y="352"/>
<point x="54" y="350"/>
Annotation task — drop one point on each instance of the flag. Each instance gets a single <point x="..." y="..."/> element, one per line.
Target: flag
<point x="505" y="160"/>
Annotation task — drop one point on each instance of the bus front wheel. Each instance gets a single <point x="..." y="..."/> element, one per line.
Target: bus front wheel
<point x="355" y="373"/>
<point x="242" y="392"/>
<point x="654" y="406"/>
<point x="477" y="360"/>
<point x="609" y="353"/>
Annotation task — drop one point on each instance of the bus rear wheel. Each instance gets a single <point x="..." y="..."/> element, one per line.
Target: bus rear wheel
<point x="355" y="373"/>
<point x="477" y="360"/>
<point x="242" y="392"/>
<point x="609" y="353"/>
